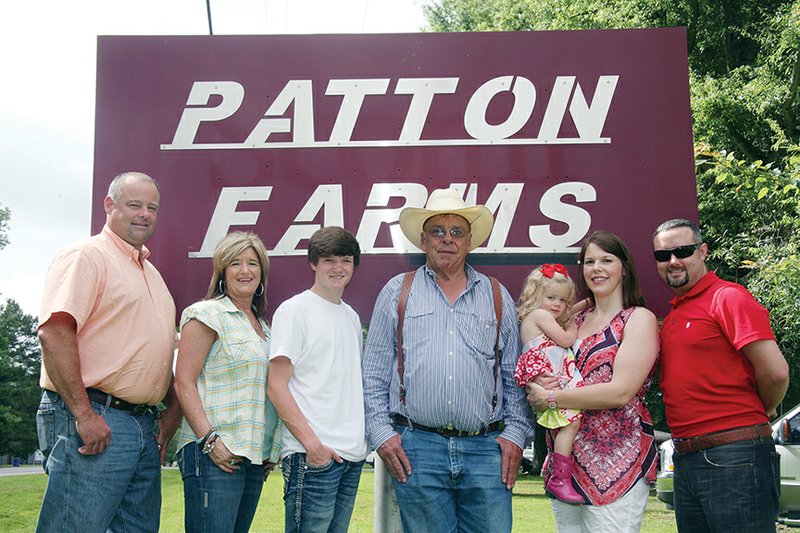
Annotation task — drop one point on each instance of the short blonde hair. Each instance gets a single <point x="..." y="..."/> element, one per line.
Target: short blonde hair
<point x="533" y="289"/>
<point x="229" y="248"/>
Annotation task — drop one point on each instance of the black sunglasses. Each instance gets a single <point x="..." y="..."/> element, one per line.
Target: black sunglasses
<point x="681" y="252"/>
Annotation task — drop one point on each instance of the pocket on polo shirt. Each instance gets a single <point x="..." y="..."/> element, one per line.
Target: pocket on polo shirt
<point x="418" y="328"/>
<point x="238" y="348"/>
<point x="479" y="332"/>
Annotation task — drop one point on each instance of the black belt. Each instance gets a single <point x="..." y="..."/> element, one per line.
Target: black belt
<point x="96" y="395"/>
<point x="444" y="431"/>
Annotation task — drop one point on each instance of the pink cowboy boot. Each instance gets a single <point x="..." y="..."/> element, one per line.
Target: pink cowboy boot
<point x="560" y="484"/>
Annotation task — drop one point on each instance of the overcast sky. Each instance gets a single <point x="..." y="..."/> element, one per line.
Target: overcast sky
<point x="48" y="89"/>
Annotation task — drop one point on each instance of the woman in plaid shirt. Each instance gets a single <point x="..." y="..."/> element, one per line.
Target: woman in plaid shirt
<point x="226" y="439"/>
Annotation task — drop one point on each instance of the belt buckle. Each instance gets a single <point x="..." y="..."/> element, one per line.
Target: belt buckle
<point x="447" y="431"/>
<point x="141" y="409"/>
<point x="451" y="431"/>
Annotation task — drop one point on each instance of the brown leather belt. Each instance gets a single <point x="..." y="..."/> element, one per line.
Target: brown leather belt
<point x="704" y="442"/>
<point x="96" y="395"/>
<point x="445" y="431"/>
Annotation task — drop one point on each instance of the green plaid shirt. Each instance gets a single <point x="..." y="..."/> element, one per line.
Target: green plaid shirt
<point x="233" y="383"/>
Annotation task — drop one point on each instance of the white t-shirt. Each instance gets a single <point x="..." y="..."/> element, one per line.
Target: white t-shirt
<point x="323" y="341"/>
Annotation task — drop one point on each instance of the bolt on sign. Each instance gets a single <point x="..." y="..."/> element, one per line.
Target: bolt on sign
<point x="557" y="133"/>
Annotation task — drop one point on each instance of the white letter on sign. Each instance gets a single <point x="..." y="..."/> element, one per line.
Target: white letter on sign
<point x="232" y="94"/>
<point x="503" y="204"/>
<point x="297" y="92"/>
<point x="225" y="215"/>
<point x="589" y="121"/>
<point x="576" y="218"/>
<point x="327" y="197"/>
<point x="354" y="92"/>
<point x="475" y="115"/>
<point x="415" y="195"/>
<point x="423" y="90"/>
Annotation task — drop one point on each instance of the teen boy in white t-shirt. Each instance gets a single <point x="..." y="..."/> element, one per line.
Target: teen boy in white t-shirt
<point x="315" y="385"/>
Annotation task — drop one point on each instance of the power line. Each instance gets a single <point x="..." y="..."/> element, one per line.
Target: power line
<point x="364" y="18"/>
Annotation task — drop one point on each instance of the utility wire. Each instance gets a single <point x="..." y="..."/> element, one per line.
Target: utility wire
<point x="364" y="17"/>
<point x="208" y="10"/>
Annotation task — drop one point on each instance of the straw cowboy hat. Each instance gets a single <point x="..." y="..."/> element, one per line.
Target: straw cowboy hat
<point x="447" y="201"/>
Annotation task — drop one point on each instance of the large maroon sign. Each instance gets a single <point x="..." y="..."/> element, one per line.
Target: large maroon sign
<point x="558" y="133"/>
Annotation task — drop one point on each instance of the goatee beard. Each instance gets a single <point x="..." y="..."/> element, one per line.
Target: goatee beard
<point x="675" y="283"/>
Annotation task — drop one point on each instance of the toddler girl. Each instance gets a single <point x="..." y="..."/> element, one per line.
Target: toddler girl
<point x="548" y="333"/>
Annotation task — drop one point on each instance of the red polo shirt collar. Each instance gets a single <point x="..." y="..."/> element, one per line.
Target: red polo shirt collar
<point x="705" y="282"/>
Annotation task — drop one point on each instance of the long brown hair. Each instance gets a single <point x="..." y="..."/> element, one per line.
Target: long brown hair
<point x="610" y="243"/>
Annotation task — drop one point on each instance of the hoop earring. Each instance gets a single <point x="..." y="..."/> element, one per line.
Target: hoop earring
<point x="221" y="286"/>
<point x="260" y="286"/>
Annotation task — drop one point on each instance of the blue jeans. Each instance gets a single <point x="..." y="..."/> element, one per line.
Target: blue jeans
<point x="215" y="501"/>
<point x="319" y="498"/>
<point x="455" y="484"/>
<point x="117" y="490"/>
<point x="730" y="488"/>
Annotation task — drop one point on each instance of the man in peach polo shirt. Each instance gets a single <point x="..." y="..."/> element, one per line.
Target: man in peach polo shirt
<point x="107" y="330"/>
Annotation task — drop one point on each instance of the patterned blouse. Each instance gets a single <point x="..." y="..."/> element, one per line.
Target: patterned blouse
<point x="615" y="448"/>
<point x="233" y="382"/>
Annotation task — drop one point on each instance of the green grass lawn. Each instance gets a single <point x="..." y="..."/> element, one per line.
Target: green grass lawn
<point x="20" y="497"/>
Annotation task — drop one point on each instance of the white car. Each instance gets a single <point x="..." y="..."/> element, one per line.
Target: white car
<point x="370" y="460"/>
<point x="527" y="463"/>
<point x="666" y="469"/>
<point x="786" y="432"/>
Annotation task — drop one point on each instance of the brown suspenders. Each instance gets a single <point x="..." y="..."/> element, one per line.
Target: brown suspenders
<point x="405" y="289"/>
<point x="401" y="313"/>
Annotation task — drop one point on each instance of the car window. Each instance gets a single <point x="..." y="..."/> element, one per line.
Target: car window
<point x="794" y="426"/>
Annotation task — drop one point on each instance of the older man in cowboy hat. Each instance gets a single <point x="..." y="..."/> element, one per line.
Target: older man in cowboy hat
<point x="443" y="411"/>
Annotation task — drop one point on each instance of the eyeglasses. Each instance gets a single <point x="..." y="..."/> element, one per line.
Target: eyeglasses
<point x="456" y="233"/>
<point x="680" y="252"/>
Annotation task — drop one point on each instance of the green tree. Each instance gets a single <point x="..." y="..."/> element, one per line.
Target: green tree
<point x="522" y="15"/>
<point x="777" y="286"/>
<point x="752" y="108"/>
<point x="749" y="211"/>
<point x="19" y="374"/>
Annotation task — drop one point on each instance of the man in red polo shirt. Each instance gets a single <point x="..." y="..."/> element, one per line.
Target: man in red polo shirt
<point x="722" y="374"/>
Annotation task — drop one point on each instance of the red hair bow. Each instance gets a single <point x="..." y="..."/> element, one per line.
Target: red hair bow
<point x="548" y="270"/>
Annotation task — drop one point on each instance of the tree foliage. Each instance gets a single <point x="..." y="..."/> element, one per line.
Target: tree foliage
<point x="776" y="284"/>
<point x="751" y="209"/>
<point x="523" y="15"/>
<point x="19" y="375"/>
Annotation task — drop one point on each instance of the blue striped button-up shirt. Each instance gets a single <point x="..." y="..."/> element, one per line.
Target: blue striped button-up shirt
<point x="448" y="353"/>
